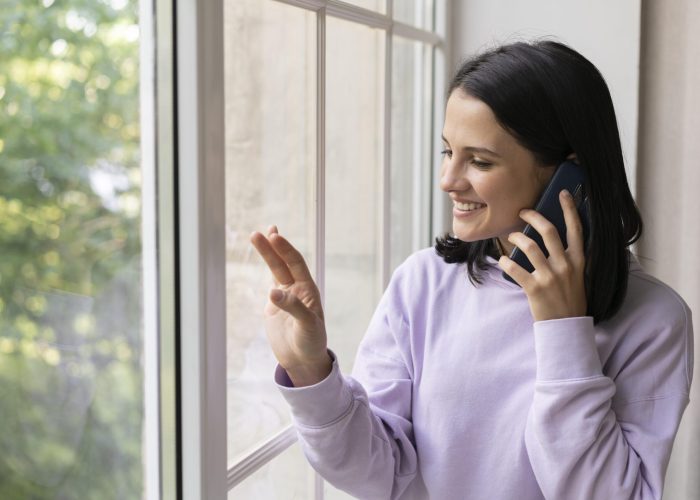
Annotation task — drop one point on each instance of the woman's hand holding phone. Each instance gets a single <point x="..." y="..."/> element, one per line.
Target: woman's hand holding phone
<point x="556" y="288"/>
<point x="294" y="320"/>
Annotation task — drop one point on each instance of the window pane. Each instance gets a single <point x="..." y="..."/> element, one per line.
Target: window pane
<point x="71" y="401"/>
<point x="330" y="492"/>
<point x="376" y="5"/>
<point x="354" y="151"/>
<point x="410" y="148"/>
<point x="270" y="72"/>
<point x="286" y="477"/>
<point x="417" y="13"/>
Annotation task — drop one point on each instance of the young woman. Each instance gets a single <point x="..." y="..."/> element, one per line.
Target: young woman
<point x="569" y="385"/>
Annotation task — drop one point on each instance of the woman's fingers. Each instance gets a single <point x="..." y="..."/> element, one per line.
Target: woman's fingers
<point x="286" y="262"/>
<point x="546" y="229"/>
<point x="280" y="271"/>
<point x="574" y="228"/>
<point x="292" y="257"/>
<point x="290" y="303"/>
<point x="515" y="271"/>
<point x="530" y="248"/>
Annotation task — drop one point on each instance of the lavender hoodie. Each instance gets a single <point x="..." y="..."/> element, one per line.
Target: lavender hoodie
<point x="457" y="394"/>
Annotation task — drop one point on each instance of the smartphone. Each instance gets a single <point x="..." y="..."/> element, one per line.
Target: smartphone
<point x="571" y="177"/>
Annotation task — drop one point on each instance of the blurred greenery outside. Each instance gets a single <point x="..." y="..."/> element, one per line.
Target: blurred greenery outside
<point x="71" y="403"/>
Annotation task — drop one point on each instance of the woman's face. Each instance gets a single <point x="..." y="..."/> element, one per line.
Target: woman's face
<point x="489" y="176"/>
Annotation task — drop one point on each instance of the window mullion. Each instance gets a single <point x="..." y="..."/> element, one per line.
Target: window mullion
<point x="357" y="14"/>
<point x="320" y="178"/>
<point x="201" y="221"/>
<point x="162" y="330"/>
<point x="416" y="34"/>
<point x="264" y="454"/>
<point x="153" y="426"/>
<point x="419" y="217"/>
<point x="440" y="209"/>
<point x="385" y="240"/>
<point x="321" y="152"/>
<point x="353" y="13"/>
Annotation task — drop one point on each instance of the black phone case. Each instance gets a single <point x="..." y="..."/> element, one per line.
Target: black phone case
<point x="571" y="177"/>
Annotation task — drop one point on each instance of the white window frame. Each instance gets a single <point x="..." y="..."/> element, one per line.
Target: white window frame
<point x="183" y="221"/>
<point x="185" y="201"/>
<point x="160" y="277"/>
<point x="200" y="153"/>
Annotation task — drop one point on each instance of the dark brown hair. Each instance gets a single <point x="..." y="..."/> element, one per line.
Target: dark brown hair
<point x="555" y="102"/>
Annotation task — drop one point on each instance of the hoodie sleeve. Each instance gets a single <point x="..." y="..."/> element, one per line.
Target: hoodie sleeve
<point x="592" y="436"/>
<point x="360" y="438"/>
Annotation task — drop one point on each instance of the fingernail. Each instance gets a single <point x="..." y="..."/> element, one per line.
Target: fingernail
<point x="566" y="193"/>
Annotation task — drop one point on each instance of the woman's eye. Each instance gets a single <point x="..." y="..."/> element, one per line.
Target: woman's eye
<point x="481" y="164"/>
<point x="447" y="152"/>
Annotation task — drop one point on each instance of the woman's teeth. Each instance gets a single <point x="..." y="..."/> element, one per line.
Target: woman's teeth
<point x="468" y="206"/>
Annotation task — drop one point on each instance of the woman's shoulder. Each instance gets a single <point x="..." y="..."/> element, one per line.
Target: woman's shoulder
<point x="422" y="274"/>
<point x="425" y="265"/>
<point x="650" y="296"/>
<point x="652" y="328"/>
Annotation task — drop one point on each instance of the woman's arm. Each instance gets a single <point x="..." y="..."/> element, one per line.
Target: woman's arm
<point x="366" y="449"/>
<point x="584" y="442"/>
<point x="360" y="437"/>
<point x="362" y="448"/>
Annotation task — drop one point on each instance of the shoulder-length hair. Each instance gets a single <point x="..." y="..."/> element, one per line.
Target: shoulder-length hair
<point x="555" y="102"/>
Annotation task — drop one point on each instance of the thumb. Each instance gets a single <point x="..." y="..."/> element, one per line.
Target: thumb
<point x="290" y="303"/>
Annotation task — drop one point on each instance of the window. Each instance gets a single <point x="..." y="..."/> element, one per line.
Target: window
<point x="141" y="141"/>
<point x="71" y="344"/>
<point x="328" y="119"/>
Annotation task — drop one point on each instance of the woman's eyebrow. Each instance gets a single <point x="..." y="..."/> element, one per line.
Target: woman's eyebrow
<point x="474" y="149"/>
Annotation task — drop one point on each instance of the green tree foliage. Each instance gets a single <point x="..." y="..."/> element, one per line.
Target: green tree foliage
<point x="70" y="280"/>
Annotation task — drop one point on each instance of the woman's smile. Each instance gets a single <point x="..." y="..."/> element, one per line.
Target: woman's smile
<point x="467" y="210"/>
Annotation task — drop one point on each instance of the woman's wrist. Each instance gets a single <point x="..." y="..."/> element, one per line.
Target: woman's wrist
<point x="307" y="374"/>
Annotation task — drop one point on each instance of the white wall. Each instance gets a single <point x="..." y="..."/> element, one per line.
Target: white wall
<point x="605" y="32"/>
<point x="667" y="190"/>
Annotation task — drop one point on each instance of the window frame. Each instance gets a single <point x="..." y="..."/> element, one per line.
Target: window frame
<point x="201" y="291"/>
<point x="183" y="196"/>
<point x="185" y="201"/>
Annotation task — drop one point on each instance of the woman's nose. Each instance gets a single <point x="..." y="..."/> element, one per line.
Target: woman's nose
<point x="452" y="177"/>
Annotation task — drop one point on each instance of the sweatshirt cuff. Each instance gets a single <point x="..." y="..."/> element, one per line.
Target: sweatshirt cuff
<point x="320" y="404"/>
<point x="566" y="349"/>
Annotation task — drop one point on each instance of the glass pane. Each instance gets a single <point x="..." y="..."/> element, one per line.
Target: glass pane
<point x="375" y="5"/>
<point x="71" y="382"/>
<point x="418" y="13"/>
<point x="286" y="477"/>
<point x="330" y="492"/>
<point x="411" y="104"/>
<point x="354" y="151"/>
<point x="270" y="72"/>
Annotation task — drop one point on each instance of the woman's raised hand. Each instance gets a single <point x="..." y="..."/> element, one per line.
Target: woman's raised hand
<point x="293" y="314"/>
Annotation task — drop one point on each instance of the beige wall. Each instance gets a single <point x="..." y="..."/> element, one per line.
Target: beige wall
<point x="668" y="177"/>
